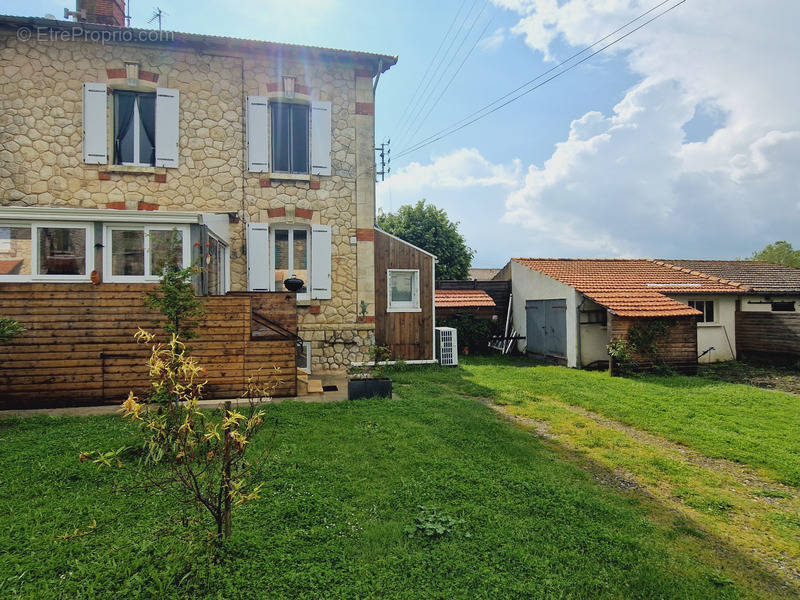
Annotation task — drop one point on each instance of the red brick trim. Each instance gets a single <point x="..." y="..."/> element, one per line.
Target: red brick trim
<point x="315" y="309"/>
<point x="365" y="108"/>
<point x="116" y="205"/>
<point x="148" y="76"/>
<point x="273" y="87"/>
<point x="104" y="176"/>
<point x="365" y="235"/>
<point x="369" y="318"/>
<point x="147" y="205"/>
<point x="303" y="213"/>
<point x="160" y="177"/>
<point x="363" y="73"/>
<point x="314" y="184"/>
<point x="276" y="212"/>
<point x="264" y="182"/>
<point x="116" y="73"/>
<point x="302" y="89"/>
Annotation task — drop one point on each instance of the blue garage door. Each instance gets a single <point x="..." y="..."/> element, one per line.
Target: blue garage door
<point x="546" y="328"/>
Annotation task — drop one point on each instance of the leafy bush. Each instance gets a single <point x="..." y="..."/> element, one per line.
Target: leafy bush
<point x="473" y="334"/>
<point x="9" y="329"/>
<point x="431" y="523"/>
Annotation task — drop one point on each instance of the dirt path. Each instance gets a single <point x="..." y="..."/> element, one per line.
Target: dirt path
<point x="746" y="510"/>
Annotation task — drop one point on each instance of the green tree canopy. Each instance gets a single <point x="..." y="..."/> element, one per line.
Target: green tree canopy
<point x="428" y="227"/>
<point x="780" y="253"/>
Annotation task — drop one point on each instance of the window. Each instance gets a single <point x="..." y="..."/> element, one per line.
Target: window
<point x="706" y="307"/>
<point x="290" y="253"/>
<point x="140" y="253"/>
<point x="289" y="128"/>
<point x="403" y="290"/>
<point x="45" y="251"/>
<point x="134" y="128"/>
<point x="304" y="357"/>
<point x="783" y="306"/>
<point x="215" y="267"/>
<point x="595" y="317"/>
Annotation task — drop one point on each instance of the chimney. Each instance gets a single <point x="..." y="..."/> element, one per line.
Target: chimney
<point x="103" y="12"/>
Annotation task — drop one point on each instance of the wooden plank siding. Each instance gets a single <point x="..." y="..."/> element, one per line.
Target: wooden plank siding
<point x="78" y="344"/>
<point x="409" y="336"/>
<point x="767" y="332"/>
<point x="678" y="350"/>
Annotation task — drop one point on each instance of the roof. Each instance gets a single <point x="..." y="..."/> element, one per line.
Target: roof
<point x="399" y="239"/>
<point x="462" y="299"/>
<point x="632" y="287"/>
<point x="177" y="39"/>
<point x="760" y="276"/>
<point x="483" y="274"/>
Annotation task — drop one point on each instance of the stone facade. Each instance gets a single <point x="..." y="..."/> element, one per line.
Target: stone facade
<point x="41" y="158"/>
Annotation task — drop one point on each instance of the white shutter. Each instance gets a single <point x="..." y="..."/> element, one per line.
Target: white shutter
<point x="258" y="257"/>
<point x="95" y="128"/>
<point x="257" y="146"/>
<point x="167" y="127"/>
<point x="321" y="262"/>
<point x="320" y="138"/>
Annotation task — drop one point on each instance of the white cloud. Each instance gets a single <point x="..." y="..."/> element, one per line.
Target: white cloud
<point x="493" y="41"/>
<point x="628" y="182"/>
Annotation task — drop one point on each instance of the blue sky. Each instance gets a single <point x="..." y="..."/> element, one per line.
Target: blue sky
<point x="680" y="142"/>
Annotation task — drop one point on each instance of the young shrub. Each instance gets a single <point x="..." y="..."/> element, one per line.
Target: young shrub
<point x="195" y="456"/>
<point x="9" y="329"/>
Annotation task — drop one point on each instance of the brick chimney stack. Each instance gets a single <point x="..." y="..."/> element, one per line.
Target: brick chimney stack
<point x="104" y="12"/>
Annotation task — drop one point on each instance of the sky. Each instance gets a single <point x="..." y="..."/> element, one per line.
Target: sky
<point x="682" y="140"/>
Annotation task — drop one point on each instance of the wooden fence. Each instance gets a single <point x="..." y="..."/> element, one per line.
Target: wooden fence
<point x="678" y="349"/>
<point x="78" y="344"/>
<point x="767" y="333"/>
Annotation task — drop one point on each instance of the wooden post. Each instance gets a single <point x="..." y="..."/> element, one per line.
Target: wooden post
<point x="226" y="476"/>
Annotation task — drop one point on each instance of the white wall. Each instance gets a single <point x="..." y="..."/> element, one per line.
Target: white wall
<point x="721" y="334"/>
<point x="749" y="303"/>
<point x="527" y="284"/>
<point x="594" y="337"/>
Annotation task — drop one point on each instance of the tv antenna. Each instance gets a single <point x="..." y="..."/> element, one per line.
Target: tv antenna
<point x="157" y="14"/>
<point x="385" y="153"/>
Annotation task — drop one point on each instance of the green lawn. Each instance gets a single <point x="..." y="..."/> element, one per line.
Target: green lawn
<point x="742" y="423"/>
<point x="342" y="484"/>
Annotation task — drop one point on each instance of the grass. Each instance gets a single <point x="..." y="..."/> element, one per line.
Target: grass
<point x="343" y="484"/>
<point x="736" y="422"/>
<point x="770" y="376"/>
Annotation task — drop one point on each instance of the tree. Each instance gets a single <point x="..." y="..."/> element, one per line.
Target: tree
<point x="780" y="253"/>
<point x="428" y="227"/>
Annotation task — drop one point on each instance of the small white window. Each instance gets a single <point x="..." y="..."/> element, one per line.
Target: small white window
<point x="216" y="266"/>
<point x="304" y="357"/>
<point x="51" y="251"/>
<point x="706" y="307"/>
<point x="140" y="252"/>
<point x="403" y="290"/>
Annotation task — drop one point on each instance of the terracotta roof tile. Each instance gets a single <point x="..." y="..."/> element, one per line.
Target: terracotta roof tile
<point x="632" y="287"/>
<point x="462" y="299"/>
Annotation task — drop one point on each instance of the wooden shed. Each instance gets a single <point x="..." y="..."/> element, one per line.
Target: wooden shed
<point x="404" y="298"/>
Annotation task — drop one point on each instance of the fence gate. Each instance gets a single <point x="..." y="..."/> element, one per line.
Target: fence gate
<point x="546" y="328"/>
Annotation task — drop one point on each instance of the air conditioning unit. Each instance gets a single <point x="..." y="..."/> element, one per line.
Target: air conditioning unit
<point x="447" y="346"/>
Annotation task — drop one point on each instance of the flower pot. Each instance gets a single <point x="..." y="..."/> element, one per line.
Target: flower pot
<point x="369" y="388"/>
<point x="293" y="284"/>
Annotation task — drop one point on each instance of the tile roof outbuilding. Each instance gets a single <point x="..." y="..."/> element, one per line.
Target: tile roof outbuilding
<point x="463" y="299"/>
<point x="760" y="276"/>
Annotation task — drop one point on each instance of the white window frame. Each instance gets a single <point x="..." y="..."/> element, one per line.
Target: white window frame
<point x="224" y="262"/>
<point x="136" y="137"/>
<point x="307" y="367"/>
<point x="307" y="172"/>
<point x="147" y="277"/>
<point x="402" y="306"/>
<point x="273" y="227"/>
<point x="34" y="227"/>
<point x="692" y="303"/>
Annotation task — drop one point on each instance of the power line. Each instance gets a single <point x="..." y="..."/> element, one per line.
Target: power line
<point x="484" y="112"/>
<point x="455" y="73"/>
<point x="430" y="64"/>
<point x="423" y="99"/>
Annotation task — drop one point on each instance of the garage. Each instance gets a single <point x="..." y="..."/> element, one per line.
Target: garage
<point x="546" y="328"/>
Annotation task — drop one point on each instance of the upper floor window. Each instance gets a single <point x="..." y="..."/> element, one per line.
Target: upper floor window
<point x="290" y="127"/>
<point x="134" y="128"/>
<point x="706" y="307"/>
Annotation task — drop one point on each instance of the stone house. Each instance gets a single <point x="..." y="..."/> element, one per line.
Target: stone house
<point x="254" y="158"/>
